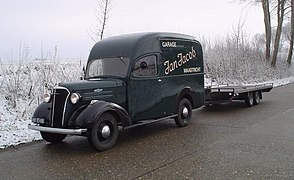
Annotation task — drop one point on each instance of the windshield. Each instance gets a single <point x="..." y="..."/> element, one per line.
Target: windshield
<point x="117" y="67"/>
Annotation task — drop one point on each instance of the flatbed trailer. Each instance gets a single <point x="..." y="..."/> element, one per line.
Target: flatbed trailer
<point x="251" y="94"/>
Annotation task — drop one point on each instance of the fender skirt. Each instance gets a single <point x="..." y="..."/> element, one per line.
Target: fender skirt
<point x="90" y="115"/>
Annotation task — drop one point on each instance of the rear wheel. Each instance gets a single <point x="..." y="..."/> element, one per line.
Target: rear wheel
<point x="249" y="100"/>
<point x="257" y="97"/>
<point x="104" y="133"/>
<point x="184" y="112"/>
<point x="52" y="137"/>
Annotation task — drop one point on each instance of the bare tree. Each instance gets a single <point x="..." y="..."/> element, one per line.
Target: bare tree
<point x="268" y="28"/>
<point x="280" y="18"/>
<point x="267" y="23"/>
<point x="290" y="53"/>
<point x="238" y="33"/>
<point x="12" y="74"/>
<point x="102" y="16"/>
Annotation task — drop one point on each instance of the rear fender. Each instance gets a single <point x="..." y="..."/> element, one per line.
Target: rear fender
<point x="188" y="94"/>
<point x="91" y="114"/>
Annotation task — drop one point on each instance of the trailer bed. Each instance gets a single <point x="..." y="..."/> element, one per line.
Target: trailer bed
<point x="226" y="93"/>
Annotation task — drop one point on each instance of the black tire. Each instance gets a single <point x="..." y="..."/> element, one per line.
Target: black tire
<point x="184" y="113"/>
<point x="249" y="100"/>
<point x="89" y="137"/>
<point x="52" y="137"/>
<point x="104" y="133"/>
<point x="257" y="97"/>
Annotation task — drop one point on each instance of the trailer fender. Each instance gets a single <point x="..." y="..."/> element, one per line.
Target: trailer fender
<point x="42" y="112"/>
<point x="91" y="114"/>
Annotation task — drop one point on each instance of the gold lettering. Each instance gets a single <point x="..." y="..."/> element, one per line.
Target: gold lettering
<point x="171" y="69"/>
<point x="180" y="56"/>
<point x="182" y="59"/>
<point x="193" y="52"/>
<point x="180" y="62"/>
<point x="175" y="65"/>
<point x="169" y="44"/>
<point x="166" y="63"/>
<point x="190" y="55"/>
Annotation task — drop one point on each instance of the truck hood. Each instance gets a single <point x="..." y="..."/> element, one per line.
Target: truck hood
<point x="104" y="89"/>
<point x="85" y="85"/>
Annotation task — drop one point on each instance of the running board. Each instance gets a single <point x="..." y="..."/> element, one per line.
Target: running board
<point x="141" y="123"/>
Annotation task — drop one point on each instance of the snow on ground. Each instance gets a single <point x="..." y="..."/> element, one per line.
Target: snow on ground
<point x="14" y="128"/>
<point x="282" y="82"/>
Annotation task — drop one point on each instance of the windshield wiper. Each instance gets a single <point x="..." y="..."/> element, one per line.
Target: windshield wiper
<point x="121" y="59"/>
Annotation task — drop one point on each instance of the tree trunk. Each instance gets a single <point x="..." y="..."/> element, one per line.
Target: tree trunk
<point x="268" y="29"/>
<point x="289" y="59"/>
<point x="105" y="17"/>
<point x="280" y="14"/>
<point x="102" y="16"/>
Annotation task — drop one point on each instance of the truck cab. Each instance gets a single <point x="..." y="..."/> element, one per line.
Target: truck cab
<point x="129" y="80"/>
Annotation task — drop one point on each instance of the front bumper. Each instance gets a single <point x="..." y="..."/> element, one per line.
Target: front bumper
<point x="57" y="130"/>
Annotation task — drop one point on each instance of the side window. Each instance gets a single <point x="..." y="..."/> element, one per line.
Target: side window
<point x="146" y="66"/>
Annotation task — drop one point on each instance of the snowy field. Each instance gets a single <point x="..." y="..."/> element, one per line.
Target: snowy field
<point x="22" y="85"/>
<point x="14" y="129"/>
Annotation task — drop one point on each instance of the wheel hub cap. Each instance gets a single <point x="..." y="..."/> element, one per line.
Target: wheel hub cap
<point x="185" y="112"/>
<point x="105" y="131"/>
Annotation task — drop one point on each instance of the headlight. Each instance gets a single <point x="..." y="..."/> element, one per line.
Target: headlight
<point x="47" y="97"/>
<point x="74" y="98"/>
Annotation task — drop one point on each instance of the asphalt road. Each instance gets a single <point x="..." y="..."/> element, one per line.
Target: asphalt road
<point x="226" y="142"/>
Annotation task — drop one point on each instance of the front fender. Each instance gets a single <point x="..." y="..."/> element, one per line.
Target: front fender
<point x="90" y="115"/>
<point x="42" y="112"/>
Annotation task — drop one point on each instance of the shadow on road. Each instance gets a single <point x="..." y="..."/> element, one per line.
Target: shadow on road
<point x="74" y="144"/>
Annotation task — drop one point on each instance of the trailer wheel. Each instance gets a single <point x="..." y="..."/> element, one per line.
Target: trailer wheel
<point x="52" y="137"/>
<point x="257" y="95"/>
<point x="249" y="100"/>
<point x="184" y="112"/>
<point x="104" y="133"/>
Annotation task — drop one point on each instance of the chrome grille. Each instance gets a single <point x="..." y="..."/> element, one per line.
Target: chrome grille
<point x="60" y="97"/>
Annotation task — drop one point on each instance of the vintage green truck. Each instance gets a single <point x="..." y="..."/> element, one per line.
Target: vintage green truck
<point x="130" y="80"/>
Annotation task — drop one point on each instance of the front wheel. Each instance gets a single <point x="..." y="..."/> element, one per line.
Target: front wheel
<point x="184" y="112"/>
<point x="104" y="133"/>
<point x="52" y="137"/>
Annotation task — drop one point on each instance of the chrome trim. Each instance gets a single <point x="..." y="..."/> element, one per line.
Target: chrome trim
<point x="64" y="107"/>
<point x="105" y="131"/>
<point x="78" y="96"/>
<point x="53" y="107"/>
<point x="185" y="112"/>
<point x="57" y="130"/>
<point x="93" y="101"/>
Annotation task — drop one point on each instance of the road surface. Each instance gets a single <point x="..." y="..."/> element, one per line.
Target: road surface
<point x="226" y="142"/>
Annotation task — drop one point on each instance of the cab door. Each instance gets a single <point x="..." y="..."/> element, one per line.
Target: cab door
<point x="144" y="89"/>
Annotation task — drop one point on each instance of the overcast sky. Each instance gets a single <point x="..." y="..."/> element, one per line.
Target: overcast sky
<point x="44" y="24"/>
